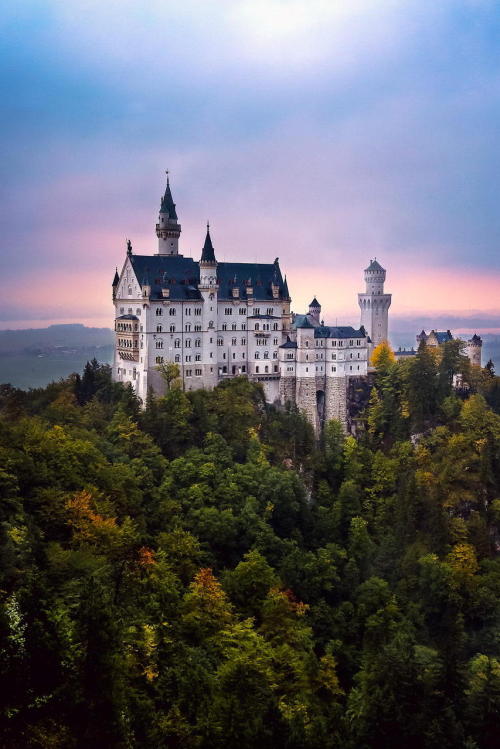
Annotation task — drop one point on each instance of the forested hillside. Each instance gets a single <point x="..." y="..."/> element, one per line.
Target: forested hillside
<point x="201" y="574"/>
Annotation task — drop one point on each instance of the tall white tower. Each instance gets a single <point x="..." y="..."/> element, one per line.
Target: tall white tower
<point x="168" y="229"/>
<point x="374" y="304"/>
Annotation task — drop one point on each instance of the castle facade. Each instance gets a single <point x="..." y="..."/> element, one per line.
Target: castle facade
<point x="217" y="320"/>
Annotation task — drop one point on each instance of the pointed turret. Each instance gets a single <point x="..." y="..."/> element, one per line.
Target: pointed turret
<point x="168" y="228"/>
<point x="315" y="310"/>
<point x="167" y="203"/>
<point x="208" y="253"/>
<point x="116" y="281"/>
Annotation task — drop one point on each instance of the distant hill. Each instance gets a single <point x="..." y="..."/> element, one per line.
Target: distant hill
<point x="34" y="357"/>
<point x="74" y="336"/>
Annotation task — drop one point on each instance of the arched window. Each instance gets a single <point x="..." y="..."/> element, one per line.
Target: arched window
<point x="158" y="328"/>
<point x="177" y="343"/>
<point x="172" y="328"/>
<point x="177" y="358"/>
<point x="159" y="311"/>
<point x="171" y="311"/>
<point x="256" y="326"/>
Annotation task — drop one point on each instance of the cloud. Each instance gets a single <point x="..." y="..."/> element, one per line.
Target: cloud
<point x="322" y="132"/>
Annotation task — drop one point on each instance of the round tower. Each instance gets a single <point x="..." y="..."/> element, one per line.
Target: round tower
<point x="168" y="229"/>
<point x="374" y="304"/>
<point x="474" y="350"/>
<point x="315" y="311"/>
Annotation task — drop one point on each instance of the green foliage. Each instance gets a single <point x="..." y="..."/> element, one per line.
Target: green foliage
<point x="200" y="573"/>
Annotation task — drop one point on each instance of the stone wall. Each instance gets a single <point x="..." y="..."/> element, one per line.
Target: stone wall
<point x="336" y="400"/>
<point x="287" y="389"/>
<point x="306" y="400"/>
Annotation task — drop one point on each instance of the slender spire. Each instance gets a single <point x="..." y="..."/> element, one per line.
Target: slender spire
<point x="116" y="279"/>
<point x="208" y="254"/>
<point x="167" y="202"/>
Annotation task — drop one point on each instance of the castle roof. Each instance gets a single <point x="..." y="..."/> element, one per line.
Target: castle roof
<point x="181" y="275"/>
<point x="315" y="304"/>
<point x="208" y="253"/>
<point x="342" y="331"/>
<point x="442" y="335"/>
<point x="289" y="343"/>
<point x="304" y="322"/>
<point x="127" y="317"/>
<point x="475" y="339"/>
<point x="167" y="203"/>
<point x="116" y="279"/>
<point x="374" y="265"/>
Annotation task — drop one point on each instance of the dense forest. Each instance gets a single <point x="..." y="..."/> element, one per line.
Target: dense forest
<point x="201" y="573"/>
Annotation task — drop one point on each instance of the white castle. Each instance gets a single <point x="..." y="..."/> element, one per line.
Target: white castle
<point x="218" y="320"/>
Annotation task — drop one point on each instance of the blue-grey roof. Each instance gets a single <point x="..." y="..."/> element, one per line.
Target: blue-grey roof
<point x="167" y="203"/>
<point x="208" y="253"/>
<point x="374" y="265"/>
<point x="260" y="276"/>
<point x="304" y="323"/>
<point x="127" y="317"/>
<point x="343" y="331"/>
<point x="289" y="343"/>
<point x="315" y="303"/>
<point x="116" y="279"/>
<point x="443" y="336"/>
<point x="181" y="275"/>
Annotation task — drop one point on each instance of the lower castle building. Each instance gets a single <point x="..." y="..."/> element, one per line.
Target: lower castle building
<point x="217" y="320"/>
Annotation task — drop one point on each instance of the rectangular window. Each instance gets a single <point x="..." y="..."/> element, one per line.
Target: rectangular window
<point x="197" y="311"/>
<point x="228" y="311"/>
<point x="189" y="372"/>
<point x="243" y="310"/>
<point x="197" y="372"/>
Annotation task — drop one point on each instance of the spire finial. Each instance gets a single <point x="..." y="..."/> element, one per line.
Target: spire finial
<point x="129" y="247"/>
<point x="208" y="225"/>
<point x="167" y="172"/>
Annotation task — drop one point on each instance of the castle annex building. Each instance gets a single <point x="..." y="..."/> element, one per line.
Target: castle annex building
<point x="217" y="320"/>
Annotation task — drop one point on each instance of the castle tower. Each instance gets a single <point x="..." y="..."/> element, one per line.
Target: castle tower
<point x="374" y="304"/>
<point x="168" y="229"/>
<point x="474" y="349"/>
<point x="208" y="288"/>
<point x="315" y="311"/>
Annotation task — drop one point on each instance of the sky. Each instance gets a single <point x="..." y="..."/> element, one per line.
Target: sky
<point x="322" y="132"/>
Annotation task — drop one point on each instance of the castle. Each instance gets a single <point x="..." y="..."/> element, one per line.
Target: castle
<point x="218" y="320"/>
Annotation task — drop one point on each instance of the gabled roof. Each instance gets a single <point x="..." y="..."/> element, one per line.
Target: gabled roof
<point x="167" y="203"/>
<point x="177" y="273"/>
<point x="443" y="335"/>
<point x="289" y="343"/>
<point x="342" y="331"/>
<point x="304" y="323"/>
<point x="258" y="276"/>
<point x="208" y="254"/>
<point x="181" y="275"/>
<point x="374" y="265"/>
